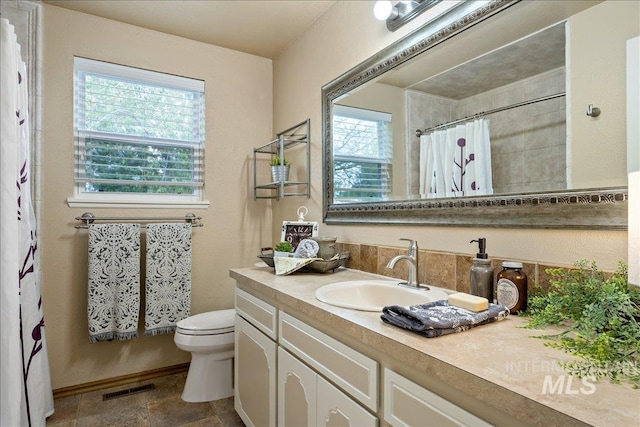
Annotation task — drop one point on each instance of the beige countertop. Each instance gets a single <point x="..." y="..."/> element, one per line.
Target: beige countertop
<point x="498" y="364"/>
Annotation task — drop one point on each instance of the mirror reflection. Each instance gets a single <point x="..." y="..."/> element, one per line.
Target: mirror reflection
<point x="473" y="116"/>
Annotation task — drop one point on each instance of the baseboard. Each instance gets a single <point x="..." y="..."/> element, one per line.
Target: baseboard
<point x="116" y="381"/>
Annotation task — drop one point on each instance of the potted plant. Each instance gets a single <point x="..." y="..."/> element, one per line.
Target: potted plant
<point x="282" y="249"/>
<point x="279" y="168"/>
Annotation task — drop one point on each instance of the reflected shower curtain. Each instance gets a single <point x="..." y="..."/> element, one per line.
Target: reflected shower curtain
<point x="26" y="398"/>
<point x="456" y="162"/>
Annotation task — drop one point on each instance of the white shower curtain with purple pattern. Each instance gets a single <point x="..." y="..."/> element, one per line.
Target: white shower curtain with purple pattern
<point x="26" y="398"/>
<point x="456" y="162"/>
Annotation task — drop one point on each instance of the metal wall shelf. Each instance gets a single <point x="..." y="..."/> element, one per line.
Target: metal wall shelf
<point x="285" y="140"/>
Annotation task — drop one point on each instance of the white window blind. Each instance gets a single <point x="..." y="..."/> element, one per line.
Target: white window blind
<point x="362" y="154"/>
<point x="137" y="131"/>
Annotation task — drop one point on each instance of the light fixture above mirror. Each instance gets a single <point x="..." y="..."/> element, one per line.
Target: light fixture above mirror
<point x="403" y="12"/>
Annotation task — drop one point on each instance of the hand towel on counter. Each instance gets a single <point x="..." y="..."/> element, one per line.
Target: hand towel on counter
<point x="114" y="281"/>
<point x="305" y="254"/>
<point x="287" y="265"/>
<point x="168" y="279"/>
<point x="439" y="318"/>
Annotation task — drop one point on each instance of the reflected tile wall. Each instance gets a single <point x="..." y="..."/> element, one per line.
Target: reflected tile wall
<point x="528" y="144"/>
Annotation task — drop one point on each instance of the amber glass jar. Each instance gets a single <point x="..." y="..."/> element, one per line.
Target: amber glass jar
<point x="511" y="287"/>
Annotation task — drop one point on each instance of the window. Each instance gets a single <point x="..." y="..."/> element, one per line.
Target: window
<point x="139" y="135"/>
<point x="362" y="154"/>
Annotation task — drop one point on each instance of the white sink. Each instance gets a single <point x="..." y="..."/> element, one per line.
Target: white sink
<point x="372" y="295"/>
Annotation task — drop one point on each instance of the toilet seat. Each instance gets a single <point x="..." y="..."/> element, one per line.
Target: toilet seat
<point x="210" y="323"/>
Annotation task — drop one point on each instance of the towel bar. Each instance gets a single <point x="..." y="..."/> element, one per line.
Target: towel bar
<point x="89" y="218"/>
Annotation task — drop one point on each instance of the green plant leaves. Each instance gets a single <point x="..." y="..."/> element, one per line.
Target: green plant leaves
<point x="601" y="315"/>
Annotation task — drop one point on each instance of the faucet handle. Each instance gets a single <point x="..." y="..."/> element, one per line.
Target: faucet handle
<point x="413" y="246"/>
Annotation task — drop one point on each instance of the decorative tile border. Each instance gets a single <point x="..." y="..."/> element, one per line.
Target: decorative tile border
<point x="442" y="269"/>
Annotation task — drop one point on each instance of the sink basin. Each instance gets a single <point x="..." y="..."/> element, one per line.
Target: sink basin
<point x="372" y="295"/>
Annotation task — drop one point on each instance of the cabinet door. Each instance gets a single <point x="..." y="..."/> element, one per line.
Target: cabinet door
<point x="408" y="404"/>
<point x="296" y="392"/>
<point x="255" y="375"/>
<point x="336" y="409"/>
<point x="349" y="369"/>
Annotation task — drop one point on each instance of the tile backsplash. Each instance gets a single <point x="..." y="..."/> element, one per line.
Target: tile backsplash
<point x="443" y="269"/>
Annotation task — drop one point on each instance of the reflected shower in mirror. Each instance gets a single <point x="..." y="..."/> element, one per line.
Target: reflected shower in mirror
<point x="515" y="92"/>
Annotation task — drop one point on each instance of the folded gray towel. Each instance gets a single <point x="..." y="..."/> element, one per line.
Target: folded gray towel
<point x="439" y="318"/>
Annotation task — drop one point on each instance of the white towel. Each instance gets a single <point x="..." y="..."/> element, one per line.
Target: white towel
<point x="114" y="281"/>
<point x="168" y="281"/>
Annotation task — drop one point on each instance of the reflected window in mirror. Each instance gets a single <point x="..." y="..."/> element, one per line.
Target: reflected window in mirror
<point x="362" y="154"/>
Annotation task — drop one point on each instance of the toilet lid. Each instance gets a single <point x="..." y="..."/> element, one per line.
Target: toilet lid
<point x="209" y="323"/>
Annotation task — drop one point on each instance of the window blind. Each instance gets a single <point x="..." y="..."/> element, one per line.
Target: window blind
<point x="137" y="131"/>
<point x="362" y="153"/>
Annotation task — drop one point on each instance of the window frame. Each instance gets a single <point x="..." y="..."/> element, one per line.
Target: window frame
<point x="387" y="162"/>
<point x="82" y="198"/>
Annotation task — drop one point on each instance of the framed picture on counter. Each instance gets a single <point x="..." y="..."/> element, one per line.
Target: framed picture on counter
<point x="295" y="231"/>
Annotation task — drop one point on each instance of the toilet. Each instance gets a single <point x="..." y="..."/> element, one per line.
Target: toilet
<point x="210" y="339"/>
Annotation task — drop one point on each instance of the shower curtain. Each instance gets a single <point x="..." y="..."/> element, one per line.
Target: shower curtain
<point x="26" y="397"/>
<point x="456" y="162"/>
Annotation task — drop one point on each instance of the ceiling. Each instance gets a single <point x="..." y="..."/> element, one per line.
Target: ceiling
<point x="530" y="56"/>
<point x="259" y="27"/>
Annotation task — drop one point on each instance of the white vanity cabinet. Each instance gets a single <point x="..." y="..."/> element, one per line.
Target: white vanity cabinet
<point x="336" y="409"/>
<point x="255" y="361"/>
<point x="296" y="391"/>
<point x="305" y="396"/>
<point x="408" y="404"/>
<point x="288" y="373"/>
<point x="307" y="399"/>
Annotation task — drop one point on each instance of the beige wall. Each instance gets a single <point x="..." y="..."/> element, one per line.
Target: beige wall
<point x="597" y="75"/>
<point x="346" y="35"/>
<point x="238" y="90"/>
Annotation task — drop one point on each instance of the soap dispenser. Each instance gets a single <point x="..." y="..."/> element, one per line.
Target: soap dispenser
<point x="481" y="280"/>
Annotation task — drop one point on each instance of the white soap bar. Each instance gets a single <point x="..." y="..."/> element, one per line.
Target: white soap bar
<point x="469" y="302"/>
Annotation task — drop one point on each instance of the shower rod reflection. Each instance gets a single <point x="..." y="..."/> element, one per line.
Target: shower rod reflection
<point x="420" y="132"/>
<point x="89" y="218"/>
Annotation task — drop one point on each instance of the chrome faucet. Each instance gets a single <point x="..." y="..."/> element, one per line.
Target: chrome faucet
<point x="412" y="259"/>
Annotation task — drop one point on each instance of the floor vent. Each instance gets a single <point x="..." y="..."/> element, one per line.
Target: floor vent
<point x="127" y="392"/>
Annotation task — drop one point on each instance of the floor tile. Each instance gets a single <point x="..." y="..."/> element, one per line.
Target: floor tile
<point x="169" y="386"/>
<point x="129" y="416"/>
<point x="174" y="411"/>
<point x="231" y="419"/>
<point x="160" y="407"/>
<point x="66" y="411"/>
<point x="92" y="404"/>
<point x="71" y="423"/>
<point x="223" y="405"/>
<point x="205" y="422"/>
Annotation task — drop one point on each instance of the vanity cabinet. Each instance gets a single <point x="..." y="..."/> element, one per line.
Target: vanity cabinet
<point x="275" y="186"/>
<point x="288" y="373"/>
<point x="408" y="404"/>
<point x="305" y="396"/>
<point x="255" y="361"/>
<point x="296" y="391"/>
<point x="336" y="409"/>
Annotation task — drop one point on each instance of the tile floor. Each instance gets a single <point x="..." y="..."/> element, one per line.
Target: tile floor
<point x="161" y="407"/>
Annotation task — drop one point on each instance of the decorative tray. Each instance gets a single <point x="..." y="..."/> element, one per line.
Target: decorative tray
<point x="317" y="266"/>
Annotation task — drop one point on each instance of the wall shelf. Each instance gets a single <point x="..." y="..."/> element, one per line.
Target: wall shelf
<point x="263" y="186"/>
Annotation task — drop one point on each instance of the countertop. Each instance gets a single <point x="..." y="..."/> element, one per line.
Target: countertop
<point x="499" y="364"/>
